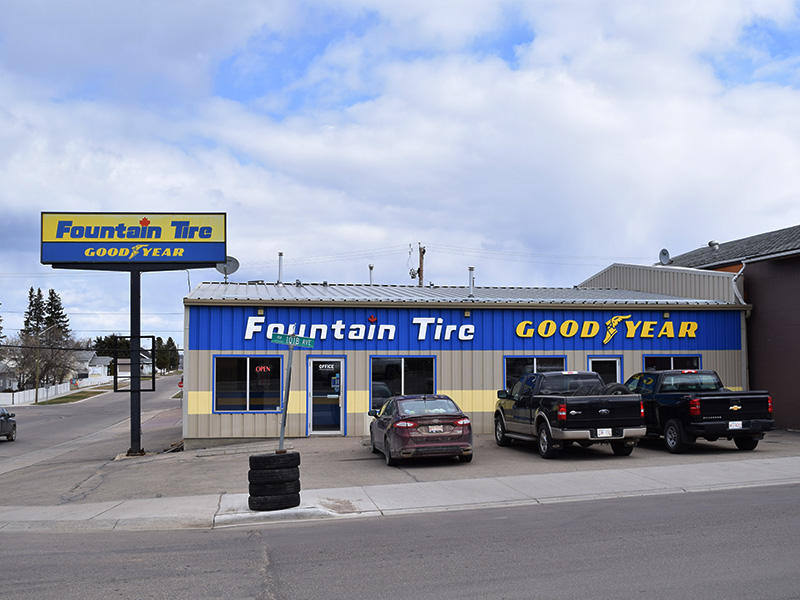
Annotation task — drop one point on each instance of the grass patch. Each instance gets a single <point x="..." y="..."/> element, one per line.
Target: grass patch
<point x="75" y="397"/>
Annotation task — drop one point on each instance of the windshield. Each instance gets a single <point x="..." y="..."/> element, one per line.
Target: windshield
<point x="691" y="382"/>
<point x="566" y="383"/>
<point x="439" y="406"/>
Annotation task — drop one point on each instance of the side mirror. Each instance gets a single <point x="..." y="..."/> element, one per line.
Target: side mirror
<point x="12" y="415"/>
<point x="373" y="412"/>
<point x="502" y="394"/>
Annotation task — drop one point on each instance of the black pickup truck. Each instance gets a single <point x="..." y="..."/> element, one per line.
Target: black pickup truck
<point x="558" y="408"/>
<point x="686" y="405"/>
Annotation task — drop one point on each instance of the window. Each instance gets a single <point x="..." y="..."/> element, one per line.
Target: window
<point x="517" y="367"/>
<point x="247" y="384"/>
<point x="666" y="363"/>
<point x="396" y="376"/>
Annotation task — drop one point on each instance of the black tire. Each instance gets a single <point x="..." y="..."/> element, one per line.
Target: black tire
<point x="745" y="443"/>
<point x="674" y="438"/>
<point x="500" y="432"/>
<point x="620" y="449"/>
<point x="275" y="489"/>
<point x="387" y="453"/>
<point x="275" y="460"/>
<point x="13" y="435"/>
<point x="465" y="458"/>
<point x="273" y="502"/>
<point x="616" y="389"/>
<point x="545" y="444"/>
<point x="273" y="475"/>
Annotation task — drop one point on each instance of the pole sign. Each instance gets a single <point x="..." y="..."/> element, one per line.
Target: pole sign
<point x="133" y="238"/>
<point x="292" y="340"/>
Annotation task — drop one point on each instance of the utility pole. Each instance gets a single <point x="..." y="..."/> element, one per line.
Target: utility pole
<point x="421" y="264"/>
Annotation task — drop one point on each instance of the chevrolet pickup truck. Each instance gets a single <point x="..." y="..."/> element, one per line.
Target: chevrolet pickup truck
<point x="685" y="405"/>
<point x="558" y="408"/>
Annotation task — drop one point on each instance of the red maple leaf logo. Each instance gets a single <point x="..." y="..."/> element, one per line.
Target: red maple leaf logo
<point x="144" y="222"/>
<point x="372" y="318"/>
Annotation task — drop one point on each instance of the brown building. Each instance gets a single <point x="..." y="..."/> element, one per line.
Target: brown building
<point x="769" y="264"/>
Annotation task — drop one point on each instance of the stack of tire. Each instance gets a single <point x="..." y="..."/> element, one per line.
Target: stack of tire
<point x="274" y="481"/>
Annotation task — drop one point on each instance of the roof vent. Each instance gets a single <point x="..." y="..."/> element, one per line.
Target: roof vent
<point x="713" y="244"/>
<point x="297" y="282"/>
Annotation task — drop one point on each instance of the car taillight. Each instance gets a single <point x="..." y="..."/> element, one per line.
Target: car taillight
<point x="462" y="422"/>
<point x="694" y="407"/>
<point x="562" y="412"/>
<point x="769" y="401"/>
<point x="405" y="424"/>
<point x="641" y="408"/>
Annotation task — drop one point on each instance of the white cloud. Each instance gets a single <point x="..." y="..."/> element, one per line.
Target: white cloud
<point x="340" y="133"/>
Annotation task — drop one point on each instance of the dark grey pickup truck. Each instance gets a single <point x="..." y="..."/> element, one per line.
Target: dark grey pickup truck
<point x="686" y="405"/>
<point x="558" y="408"/>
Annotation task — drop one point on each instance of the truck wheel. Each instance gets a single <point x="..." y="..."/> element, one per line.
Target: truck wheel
<point x="620" y="449"/>
<point x="745" y="443"/>
<point x="673" y="437"/>
<point x="616" y="389"/>
<point x="500" y="433"/>
<point x="546" y="443"/>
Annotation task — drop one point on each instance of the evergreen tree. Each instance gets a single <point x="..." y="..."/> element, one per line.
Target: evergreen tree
<point x="35" y="313"/>
<point x="174" y="357"/>
<point x="54" y="315"/>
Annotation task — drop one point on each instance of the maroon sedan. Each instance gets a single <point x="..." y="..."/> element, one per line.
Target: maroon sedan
<point x="424" y="425"/>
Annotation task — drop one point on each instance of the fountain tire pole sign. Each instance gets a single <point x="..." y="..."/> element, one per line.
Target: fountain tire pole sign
<point x="133" y="242"/>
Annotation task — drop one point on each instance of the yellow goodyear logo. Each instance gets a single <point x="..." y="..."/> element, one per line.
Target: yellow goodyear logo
<point x="589" y="329"/>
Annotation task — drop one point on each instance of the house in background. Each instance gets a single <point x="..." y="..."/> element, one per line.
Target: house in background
<point x="769" y="264"/>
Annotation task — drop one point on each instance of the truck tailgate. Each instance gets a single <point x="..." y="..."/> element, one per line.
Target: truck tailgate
<point x="740" y="406"/>
<point x="585" y="412"/>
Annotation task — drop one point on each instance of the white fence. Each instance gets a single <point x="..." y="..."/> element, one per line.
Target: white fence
<point x="29" y="396"/>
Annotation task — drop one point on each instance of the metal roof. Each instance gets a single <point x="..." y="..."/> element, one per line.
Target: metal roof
<point x="774" y="244"/>
<point x="353" y="293"/>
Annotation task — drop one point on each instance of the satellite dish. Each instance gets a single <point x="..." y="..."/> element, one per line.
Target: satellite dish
<point x="229" y="267"/>
<point x="663" y="257"/>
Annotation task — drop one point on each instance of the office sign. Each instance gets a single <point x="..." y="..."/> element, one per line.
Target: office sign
<point x="132" y="238"/>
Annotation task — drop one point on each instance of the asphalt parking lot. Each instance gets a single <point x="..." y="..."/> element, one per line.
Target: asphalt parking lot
<point x="97" y="471"/>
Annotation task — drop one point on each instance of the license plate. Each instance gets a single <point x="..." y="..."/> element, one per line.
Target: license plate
<point x="435" y="428"/>
<point x="735" y="425"/>
<point x="604" y="433"/>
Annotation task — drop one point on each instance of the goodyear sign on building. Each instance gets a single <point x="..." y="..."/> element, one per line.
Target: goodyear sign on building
<point x="131" y="238"/>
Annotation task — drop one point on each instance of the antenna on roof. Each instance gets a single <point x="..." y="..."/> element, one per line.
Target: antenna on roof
<point x="663" y="257"/>
<point x="713" y="244"/>
<point x="229" y="267"/>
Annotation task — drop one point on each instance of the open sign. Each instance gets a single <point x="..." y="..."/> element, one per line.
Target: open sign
<point x="262" y="369"/>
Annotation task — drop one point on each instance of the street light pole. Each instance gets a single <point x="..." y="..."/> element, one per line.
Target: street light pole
<point x="36" y="383"/>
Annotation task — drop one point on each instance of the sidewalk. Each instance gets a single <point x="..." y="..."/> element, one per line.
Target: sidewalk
<point x="225" y="510"/>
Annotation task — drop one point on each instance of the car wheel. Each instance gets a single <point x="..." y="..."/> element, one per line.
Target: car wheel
<point x="673" y="437"/>
<point x="742" y="443"/>
<point x="546" y="443"/>
<point x="273" y="502"/>
<point x="387" y="453"/>
<point x="465" y="458"/>
<point x="13" y="435"/>
<point x="500" y="433"/>
<point x="372" y="443"/>
<point x="273" y="475"/>
<point x="284" y="460"/>
<point x="620" y="449"/>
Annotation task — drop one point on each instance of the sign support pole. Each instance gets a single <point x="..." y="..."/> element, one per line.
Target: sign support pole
<point x="286" y="398"/>
<point x="136" y="368"/>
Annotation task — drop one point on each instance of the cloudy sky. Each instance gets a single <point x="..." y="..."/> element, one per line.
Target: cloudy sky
<point x="538" y="141"/>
